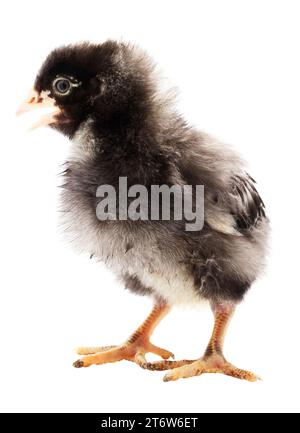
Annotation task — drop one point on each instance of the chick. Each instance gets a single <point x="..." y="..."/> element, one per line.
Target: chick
<point x="106" y="99"/>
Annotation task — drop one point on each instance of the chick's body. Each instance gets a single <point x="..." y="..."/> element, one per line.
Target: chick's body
<point x="121" y="126"/>
<point x="157" y="257"/>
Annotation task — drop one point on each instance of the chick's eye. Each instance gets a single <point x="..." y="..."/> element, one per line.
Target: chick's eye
<point x="62" y="86"/>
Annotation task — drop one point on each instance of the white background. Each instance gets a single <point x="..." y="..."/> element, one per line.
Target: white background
<point x="237" y="66"/>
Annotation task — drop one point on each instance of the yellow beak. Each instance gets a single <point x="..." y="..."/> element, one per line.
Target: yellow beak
<point x="42" y="100"/>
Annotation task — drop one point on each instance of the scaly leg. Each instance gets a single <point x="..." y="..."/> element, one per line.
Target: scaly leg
<point x="134" y="349"/>
<point x="213" y="360"/>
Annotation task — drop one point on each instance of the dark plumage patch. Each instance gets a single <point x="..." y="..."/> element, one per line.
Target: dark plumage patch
<point x="133" y="283"/>
<point x="214" y="283"/>
<point x="249" y="209"/>
<point x="110" y="90"/>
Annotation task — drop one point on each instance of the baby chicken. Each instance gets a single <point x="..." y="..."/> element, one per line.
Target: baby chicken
<point x="106" y="99"/>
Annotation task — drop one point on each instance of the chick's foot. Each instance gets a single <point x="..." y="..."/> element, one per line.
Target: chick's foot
<point x="135" y="347"/>
<point x="130" y="351"/>
<point x="209" y="364"/>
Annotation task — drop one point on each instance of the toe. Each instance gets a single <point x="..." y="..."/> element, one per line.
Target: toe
<point x="85" y="350"/>
<point x="141" y="360"/>
<point x="232" y="371"/>
<point x="104" y="357"/>
<point x="171" y="376"/>
<point x="92" y="350"/>
<point x="183" y="372"/>
<point x="165" y="354"/>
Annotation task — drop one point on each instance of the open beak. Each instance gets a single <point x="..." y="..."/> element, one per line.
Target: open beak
<point x="40" y="100"/>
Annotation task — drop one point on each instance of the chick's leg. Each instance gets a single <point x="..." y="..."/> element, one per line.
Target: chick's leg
<point x="134" y="349"/>
<point x="213" y="360"/>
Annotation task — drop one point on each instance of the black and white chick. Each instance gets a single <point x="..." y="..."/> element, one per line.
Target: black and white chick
<point x="106" y="99"/>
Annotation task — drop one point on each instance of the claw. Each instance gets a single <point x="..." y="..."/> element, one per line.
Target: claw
<point x="78" y="363"/>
